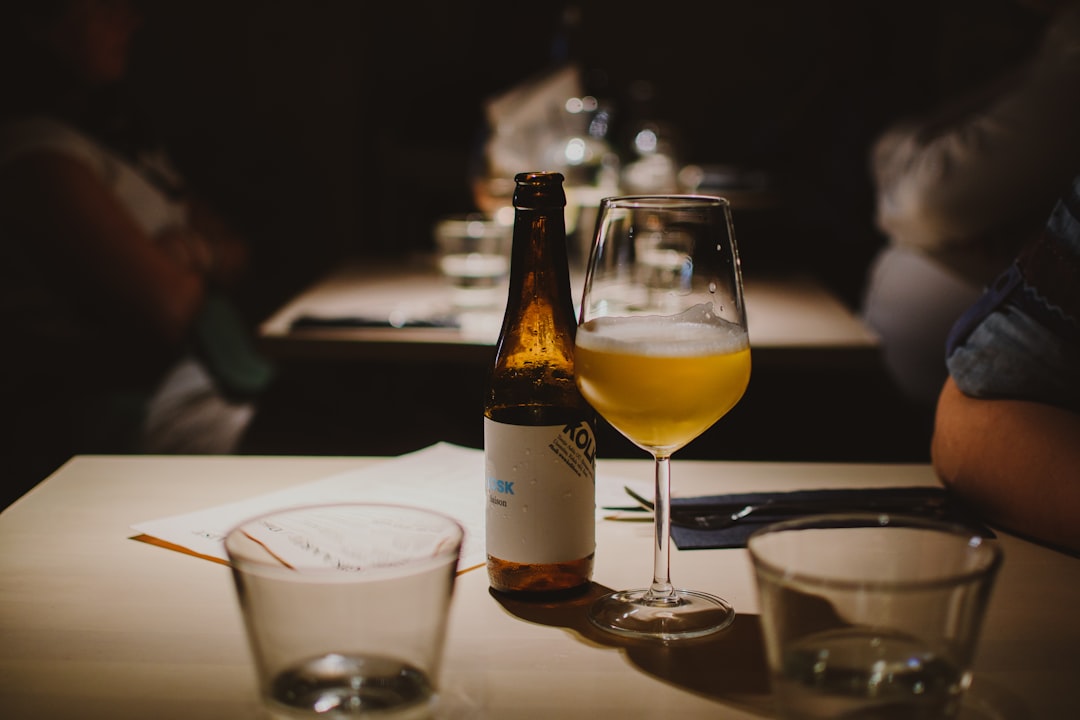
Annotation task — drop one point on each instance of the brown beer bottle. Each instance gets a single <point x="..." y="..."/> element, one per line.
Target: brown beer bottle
<point x="539" y="441"/>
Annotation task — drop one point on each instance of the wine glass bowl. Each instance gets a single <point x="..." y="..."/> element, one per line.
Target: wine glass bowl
<point x="662" y="353"/>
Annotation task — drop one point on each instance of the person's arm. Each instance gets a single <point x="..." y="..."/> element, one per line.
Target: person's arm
<point x="1016" y="462"/>
<point x="93" y="246"/>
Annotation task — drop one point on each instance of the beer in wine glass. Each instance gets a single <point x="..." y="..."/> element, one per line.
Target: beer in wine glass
<point x="662" y="353"/>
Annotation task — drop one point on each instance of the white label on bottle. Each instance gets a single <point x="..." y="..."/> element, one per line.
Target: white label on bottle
<point x="540" y="490"/>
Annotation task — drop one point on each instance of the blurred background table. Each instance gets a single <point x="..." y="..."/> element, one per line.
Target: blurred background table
<point x="793" y="320"/>
<point x="94" y="624"/>
<point x="818" y="390"/>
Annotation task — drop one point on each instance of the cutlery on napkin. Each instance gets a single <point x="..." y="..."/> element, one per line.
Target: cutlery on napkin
<point x="726" y="521"/>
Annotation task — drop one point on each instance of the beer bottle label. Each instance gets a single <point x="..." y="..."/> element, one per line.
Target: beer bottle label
<point x="540" y="491"/>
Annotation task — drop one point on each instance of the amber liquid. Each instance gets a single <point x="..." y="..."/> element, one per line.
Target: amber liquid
<point x="506" y="576"/>
<point x="655" y="387"/>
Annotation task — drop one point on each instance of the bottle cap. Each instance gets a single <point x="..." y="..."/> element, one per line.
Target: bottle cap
<point x="539" y="190"/>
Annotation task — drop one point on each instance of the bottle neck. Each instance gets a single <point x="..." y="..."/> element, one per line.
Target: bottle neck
<point x="539" y="268"/>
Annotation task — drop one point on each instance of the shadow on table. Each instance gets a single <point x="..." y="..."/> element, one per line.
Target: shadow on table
<point x="729" y="666"/>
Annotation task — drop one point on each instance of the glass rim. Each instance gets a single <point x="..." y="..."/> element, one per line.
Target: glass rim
<point x="979" y="543"/>
<point x="668" y="201"/>
<point x="446" y="552"/>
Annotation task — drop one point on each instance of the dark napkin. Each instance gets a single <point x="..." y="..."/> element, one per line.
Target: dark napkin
<point x="925" y="501"/>
<point x="313" y="322"/>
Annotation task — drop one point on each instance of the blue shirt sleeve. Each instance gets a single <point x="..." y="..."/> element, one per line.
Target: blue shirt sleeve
<point x="1021" y="340"/>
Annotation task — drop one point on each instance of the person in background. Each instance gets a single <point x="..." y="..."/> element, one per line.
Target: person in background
<point x="119" y="336"/>
<point x="958" y="192"/>
<point x="1007" y="429"/>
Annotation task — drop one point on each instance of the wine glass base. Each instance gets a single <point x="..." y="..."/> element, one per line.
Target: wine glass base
<point x="686" y="614"/>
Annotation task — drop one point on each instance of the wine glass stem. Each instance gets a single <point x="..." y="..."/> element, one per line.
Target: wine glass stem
<point x="661" y="585"/>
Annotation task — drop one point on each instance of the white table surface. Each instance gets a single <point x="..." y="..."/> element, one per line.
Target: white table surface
<point x="95" y="624"/>
<point x="791" y="319"/>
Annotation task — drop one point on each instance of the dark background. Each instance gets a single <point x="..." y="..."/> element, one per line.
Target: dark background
<point x="327" y="128"/>
<point x="334" y="128"/>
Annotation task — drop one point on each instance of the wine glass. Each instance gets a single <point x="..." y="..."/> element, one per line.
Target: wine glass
<point x="662" y="353"/>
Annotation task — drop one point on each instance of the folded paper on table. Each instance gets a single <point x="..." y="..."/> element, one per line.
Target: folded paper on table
<point x="818" y="501"/>
<point x="443" y="477"/>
